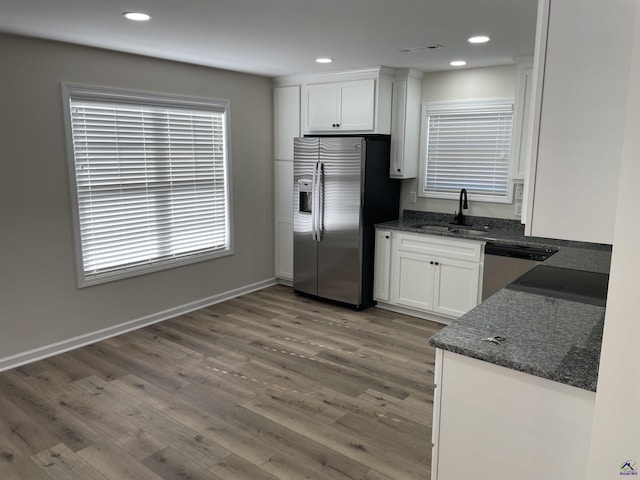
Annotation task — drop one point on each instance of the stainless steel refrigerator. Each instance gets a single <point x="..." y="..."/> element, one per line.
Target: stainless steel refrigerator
<point x="341" y="190"/>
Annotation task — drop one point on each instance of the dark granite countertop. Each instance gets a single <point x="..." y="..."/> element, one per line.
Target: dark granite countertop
<point x="592" y="257"/>
<point x="550" y="338"/>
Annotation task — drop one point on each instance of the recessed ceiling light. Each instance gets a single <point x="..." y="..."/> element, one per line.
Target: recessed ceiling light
<point x="458" y="63"/>
<point x="137" y="16"/>
<point x="479" y="39"/>
<point x="324" y="60"/>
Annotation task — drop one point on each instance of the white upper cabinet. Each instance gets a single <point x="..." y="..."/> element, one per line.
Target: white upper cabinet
<point x="338" y="107"/>
<point x="581" y="80"/>
<point x="356" y="104"/>
<point x="405" y="124"/>
<point x="322" y="107"/>
<point x="347" y="102"/>
<point x="286" y="116"/>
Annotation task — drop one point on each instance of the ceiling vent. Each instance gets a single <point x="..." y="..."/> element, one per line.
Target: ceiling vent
<point x="433" y="46"/>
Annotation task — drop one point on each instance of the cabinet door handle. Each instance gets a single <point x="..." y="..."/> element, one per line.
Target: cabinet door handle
<point x="386" y="236"/>
<point x="431" y="263"/>
<point x="436" y="263"/>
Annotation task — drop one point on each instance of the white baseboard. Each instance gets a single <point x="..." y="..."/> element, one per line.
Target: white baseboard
<point x="29" y="356"/>
<point x="285" y="281"/>
<point x="415" y="313"/>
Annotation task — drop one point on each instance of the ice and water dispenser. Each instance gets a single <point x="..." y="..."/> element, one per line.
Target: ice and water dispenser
<point x="305" y="189"/>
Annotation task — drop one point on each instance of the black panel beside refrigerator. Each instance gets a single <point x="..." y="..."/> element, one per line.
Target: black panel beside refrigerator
<point x="341" y="190"/>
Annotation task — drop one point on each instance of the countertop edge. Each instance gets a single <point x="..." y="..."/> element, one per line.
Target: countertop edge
<point x="527" y="369"/>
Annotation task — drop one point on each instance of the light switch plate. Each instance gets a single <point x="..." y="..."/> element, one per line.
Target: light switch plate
<point x="413" y="197"/>
<point x="518" y="210"/>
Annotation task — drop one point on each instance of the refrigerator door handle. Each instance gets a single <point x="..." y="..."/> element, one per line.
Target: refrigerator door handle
<point x="320" y="215"/>
<point x="314" y="202"/>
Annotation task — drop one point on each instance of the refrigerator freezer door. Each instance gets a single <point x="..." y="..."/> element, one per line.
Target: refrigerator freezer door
<point x="339" y="219"/>
<point x="305" y="247"/>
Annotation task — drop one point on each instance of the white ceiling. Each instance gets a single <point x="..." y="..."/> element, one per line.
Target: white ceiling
<point x="282" y="37"/>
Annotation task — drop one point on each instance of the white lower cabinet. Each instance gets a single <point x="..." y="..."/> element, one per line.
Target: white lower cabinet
<point x="491" y="422"/>
<point x="430" y="276"/>
<point x="455" y="286"/>
<point x="284" y="251"/>
<point x="413" y="280"/>
<point x="382" y="266"/>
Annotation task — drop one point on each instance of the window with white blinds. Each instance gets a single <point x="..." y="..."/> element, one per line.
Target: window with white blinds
<point x="150" y="181"/>
<point x="468" y="145"/>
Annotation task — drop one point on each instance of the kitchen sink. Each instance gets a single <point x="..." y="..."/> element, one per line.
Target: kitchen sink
<point x="469" y="231"/>
<point x="450" y="229"/>
<point x="431" y="228"/>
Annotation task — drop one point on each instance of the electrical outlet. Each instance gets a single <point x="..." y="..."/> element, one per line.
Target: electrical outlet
<point x="518" y="209"/>
<point x="519" y="191"/>
<point x="413" y="197"/>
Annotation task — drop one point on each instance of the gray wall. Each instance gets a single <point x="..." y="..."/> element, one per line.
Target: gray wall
<point x="40" y="303"/>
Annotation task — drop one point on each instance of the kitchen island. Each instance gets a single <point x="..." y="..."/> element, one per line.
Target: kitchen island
<point x="516" y="376"/>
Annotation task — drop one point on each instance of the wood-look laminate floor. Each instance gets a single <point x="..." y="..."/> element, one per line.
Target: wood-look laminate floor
<point x="270" y="385"/>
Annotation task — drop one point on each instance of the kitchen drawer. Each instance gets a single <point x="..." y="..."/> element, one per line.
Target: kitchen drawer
<point x="459" y="249"/>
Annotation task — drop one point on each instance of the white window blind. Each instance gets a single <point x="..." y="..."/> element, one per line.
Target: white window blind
<point x="151" y="183"/>
<point x="468" y="145"/>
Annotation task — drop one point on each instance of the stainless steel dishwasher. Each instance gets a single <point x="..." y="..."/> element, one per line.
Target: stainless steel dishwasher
<point x="504" y="263"/>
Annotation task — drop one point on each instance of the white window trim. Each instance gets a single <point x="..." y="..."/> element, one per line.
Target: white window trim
<point x="459" y="105"/>
<point x="86" y="92"/>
